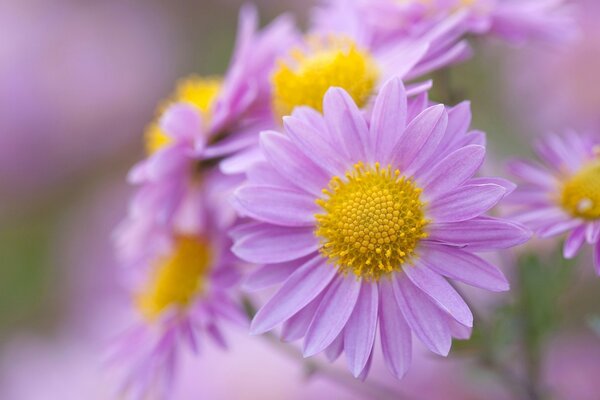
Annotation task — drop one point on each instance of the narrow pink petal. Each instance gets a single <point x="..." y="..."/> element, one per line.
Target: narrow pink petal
<point x="299" y="290"/>
<point x="346" y="122"/>
<point x="269" y="275"/>
<point x="274" y="244"/>
<point x="396" y="336"/>
<point x="359" y="333"/>
<point x="332" y="314"/>
<point x="333" y="351"/>
<point x="295" y="328"/>
<point x="420" y="139"/>
<point x="463" y="266"/>
<point x="275" y="205"/>
<point x="452" y="171"/>
<point x="459" y="119"/>
<point x="558" y="228"/>
<point x="480" y="234"/>
<point x="505" y="183"/>
<point x="424" y="318"/>
<point x="264" y="174"/>
<point x="182" y="121"/>
<point x="458" y="330"/>
<point x="592" y="232"/>
<point x="388" y="119"/>
<point x="465" y="202"/>
<point x="574" y="242"/>
<point x="291" y="163"/>
<point x="315" y="146"/>
<point x="365" y="372"/>
<point x="440" y="291"/>
<point x="533" y="174"/>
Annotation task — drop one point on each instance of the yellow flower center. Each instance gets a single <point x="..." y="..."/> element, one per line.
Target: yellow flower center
<point x="372" y="221"/>
<point x="581" y="193"/>
<point x="200" y="92"/>
<point x="327" y="62"/>
<point x="178" y="278"/>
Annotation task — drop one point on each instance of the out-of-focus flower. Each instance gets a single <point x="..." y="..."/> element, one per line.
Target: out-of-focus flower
<point x="76" y="82"/>
<point x="361" y="221"/>
<point x="385" y="21"/>
<point x="563" y="195"/>
<point x="342" y="56"/>
<point x="211" y="118"/>
<point x="231" y="109"/>
<point x="550" y="89"/>
<point x="181" y="289"/>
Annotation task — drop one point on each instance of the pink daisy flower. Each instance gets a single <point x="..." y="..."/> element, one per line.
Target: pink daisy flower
<point x="181" y="291"/>
<point x="210" y="119"/>
<point x="362" y="221"/>
<point x="562" y="194"/>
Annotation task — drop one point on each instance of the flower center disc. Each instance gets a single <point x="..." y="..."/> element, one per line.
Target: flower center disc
<point x="199" y="92"/>
<point x="372" y="221"/>
<point x="178" y="278"/>
<point x="581" y="193"/>
<point x="328" y="62"/>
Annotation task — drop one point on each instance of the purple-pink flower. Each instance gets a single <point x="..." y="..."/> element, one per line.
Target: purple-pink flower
<point x="562" y="194"/>
<point x="362" y="218"/>
<point x="181" y="289"/>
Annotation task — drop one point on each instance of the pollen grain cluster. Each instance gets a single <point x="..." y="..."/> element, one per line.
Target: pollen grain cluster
<point x="326" y="63"/>
<point x="372" y="221"/>
<point x="581" y="193"/>
<point x="178" y="278"/>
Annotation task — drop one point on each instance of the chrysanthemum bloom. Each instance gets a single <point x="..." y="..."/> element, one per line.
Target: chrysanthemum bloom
<point x="345" y="58"/>
<point x="362" y="220"/>
<point x="208" y="119"/>
<point x="513" y="20"/>
<point x="181" y="293"/>
<point x="563" y="195"/>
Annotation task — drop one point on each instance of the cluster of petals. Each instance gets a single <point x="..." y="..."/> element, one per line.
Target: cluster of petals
<point x="539" y="200"/>
<point x="335" y="311"/>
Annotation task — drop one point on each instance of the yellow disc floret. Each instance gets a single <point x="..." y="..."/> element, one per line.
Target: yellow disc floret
<point x="581" y="193"/>
<point x="327" y="62"/>
<point x="372" y="221"/>
<point x="199" y="92"/>
<point x="178" y="278"/>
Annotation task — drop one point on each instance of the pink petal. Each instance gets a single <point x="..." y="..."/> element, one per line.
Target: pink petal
<point x="295" y="328"/>
<point x="558" y="228"/>
<point x="463" y="266"/>
<point x="574" y="242"/>
<point x="388" y="119"/>
<point x="597" y="258"/>
<point x="465" y="202"/>
<point x="480" y="234"/>
<point x="291" y="163"/>
<point x="592" y="232"/>
<point x="440" y="291"/>
<point x="274" y="244"/>
<point x="420" y="139"/>
<point x="269" y="275"/>
<point x="332" y="314"/>
<point x="423" y="317"/>
<point x="533" y="174"/>
<point x="346" y="122"/>
<point x="182" y="121"/>
<point x="299" y="290"/>
<point x="396" y="337"/>
<point x="275" y="205"/>
<point x="452" y="171"/>
<point x="359" y="333"/>
<point x="508" y="186"/>
<point x="314" y="145"/>
<point x="333" y="351"/>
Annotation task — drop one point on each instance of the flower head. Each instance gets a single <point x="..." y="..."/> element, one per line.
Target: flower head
<point x="360" y="218"/>
<point x="180" y="287"/>
<point x="563" y="194"/>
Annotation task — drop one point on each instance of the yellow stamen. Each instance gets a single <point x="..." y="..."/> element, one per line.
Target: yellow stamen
<point x="372" y="221"/>
<point x="178" y="278"/>
<point x="581" y="192"/>
<point x="327" y="62"/>
<point x="199" y="92"/>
